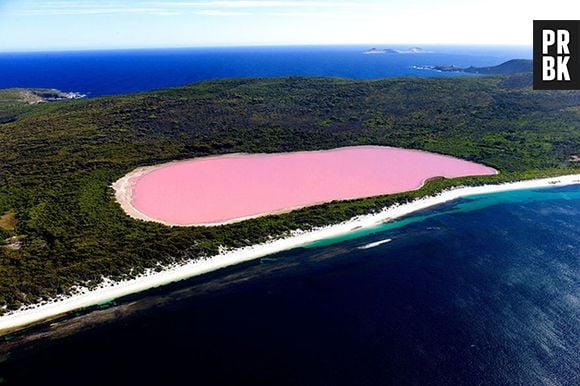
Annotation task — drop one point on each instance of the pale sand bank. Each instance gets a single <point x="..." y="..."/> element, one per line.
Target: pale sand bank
<point x="88" y="298"/>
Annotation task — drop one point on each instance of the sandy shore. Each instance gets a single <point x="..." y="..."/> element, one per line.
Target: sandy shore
<point x="113" y="290"/>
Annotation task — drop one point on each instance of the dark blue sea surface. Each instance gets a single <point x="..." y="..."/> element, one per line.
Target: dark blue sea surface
<point x="113" y="72"/>
<point x="484" y="290"/>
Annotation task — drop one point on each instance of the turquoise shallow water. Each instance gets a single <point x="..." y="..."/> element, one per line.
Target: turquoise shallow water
<point x="466" y="204"/>
<point x="484" y="290"/>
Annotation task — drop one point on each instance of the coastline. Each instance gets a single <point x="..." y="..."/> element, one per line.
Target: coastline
<point x="111" y="290"/>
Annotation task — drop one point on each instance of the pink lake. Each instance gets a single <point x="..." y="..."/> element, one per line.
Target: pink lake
<point x="221" y="189"/>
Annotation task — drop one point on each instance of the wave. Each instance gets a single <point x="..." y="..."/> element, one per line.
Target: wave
<point x="375" y="244"/>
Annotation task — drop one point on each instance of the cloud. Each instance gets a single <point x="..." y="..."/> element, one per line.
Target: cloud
<point x="71" y="8"/>
<point x="89" y="11"/>
<point x="165" y="13"/>
<point x="263" y="4"/>
<point x="321" y="15"/>
<point x="218" y="12"/>
<point x="174" y="8"/>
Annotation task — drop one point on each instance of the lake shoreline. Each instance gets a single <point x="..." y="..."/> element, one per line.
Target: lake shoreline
<point x="125" y="186"/>
<point x="111" y="290"/>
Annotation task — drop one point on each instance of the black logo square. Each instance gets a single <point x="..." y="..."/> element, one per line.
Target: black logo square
<point x="556" y="54"/>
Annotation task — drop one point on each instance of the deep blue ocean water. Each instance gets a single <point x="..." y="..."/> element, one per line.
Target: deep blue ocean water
<point x="113" y="72"/>
<point x="484" y="290"/>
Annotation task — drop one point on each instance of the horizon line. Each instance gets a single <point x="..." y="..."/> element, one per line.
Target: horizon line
<point x="258" y="45"/>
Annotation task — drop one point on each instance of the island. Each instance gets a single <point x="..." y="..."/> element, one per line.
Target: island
<point x="412" y="50"/>
<point x="66" y="243"/>
<point x="416" y="50"/>
<point x="374" y="51"/>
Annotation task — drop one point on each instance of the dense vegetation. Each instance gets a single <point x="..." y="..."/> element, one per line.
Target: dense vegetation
<point x="58" y="160"/>
<point x="513" y="66"/>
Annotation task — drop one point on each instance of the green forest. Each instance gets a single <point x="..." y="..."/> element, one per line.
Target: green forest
<point x="60" y="225"/>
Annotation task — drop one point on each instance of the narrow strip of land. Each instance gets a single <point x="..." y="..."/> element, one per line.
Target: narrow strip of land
<point x="111" y="290"/>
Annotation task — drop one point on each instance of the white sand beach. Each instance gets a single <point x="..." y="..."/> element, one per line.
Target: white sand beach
<point x="112" y="290"/>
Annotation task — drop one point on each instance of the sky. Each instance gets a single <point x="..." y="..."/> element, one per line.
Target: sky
<point x="40" y="25"/>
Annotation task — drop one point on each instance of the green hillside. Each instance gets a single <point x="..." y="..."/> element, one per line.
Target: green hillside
<point x="58" y="160"/>
<point x="513" y="66"/>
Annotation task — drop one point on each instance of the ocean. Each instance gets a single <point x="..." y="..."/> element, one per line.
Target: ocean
<point x="483" y="290"/>
<point x="97" y="73"/>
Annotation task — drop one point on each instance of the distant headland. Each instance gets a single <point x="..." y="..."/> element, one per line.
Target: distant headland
<point x="36" y="95"/>
<point x="513" y="66"/>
